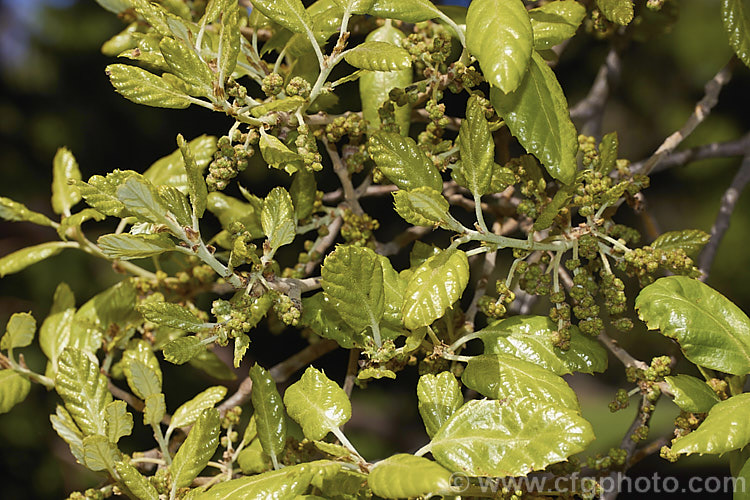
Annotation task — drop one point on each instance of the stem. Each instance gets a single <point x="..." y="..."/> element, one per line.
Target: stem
<point x="163" y="444"/>
<point x="528" y="244"/>
<point x="456" y="357"/>
<point x="463" y="340"/>
<point x="435" y="340"/>
<point x="423" y="450"/>
<point x="479" y="213"/>
<point x="349" y="446"/>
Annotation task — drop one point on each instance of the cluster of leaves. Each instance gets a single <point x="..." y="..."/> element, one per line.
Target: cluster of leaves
<point x="567" y="189"/>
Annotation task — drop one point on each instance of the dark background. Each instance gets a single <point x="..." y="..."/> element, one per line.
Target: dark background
<point x="53" y="92"/>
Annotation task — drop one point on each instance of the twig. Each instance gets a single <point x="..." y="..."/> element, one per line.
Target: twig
<point x="280" y="372"/>
<point x="350" y="194"/>
<point x="403" y="239"/>
<point x="701" y="112"/>
<point x="324" y="243"/>
<point x="351" y="371"/>
<point x="488" y="266"/>
<point x="721" y="224"/>
<point x="624" y="356"/>
<point x="134" y="402"/>
<point x="591" y="108"/>
<point x="705" y="152"/>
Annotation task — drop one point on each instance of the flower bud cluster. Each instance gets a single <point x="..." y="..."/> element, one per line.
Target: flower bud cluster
<point x="358" y="229"/>
<point x="228" y="161"/>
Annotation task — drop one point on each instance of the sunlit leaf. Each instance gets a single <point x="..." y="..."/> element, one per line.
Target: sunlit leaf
<point x="291" y="14"/>
<point x="412" y="11"/>
<point x="172" y="315"/>
<point x="689" y="240"/>
<point x="286" y="483"/>
<point x="139" y="486"/>
<point x="188" y="412"/>
<point x="64" y="167"/>
<point x="18" y="212"/>
<point x="423" y="206"/>
<point x="19" y="332"/>
<point x="196" y="184"/>
<point x="119" y="420"/>
<point x="278" y="218"/>
<point x="21" y="259"/>
<point x="439" y="398"/>
<point x="317" y="403"/>
<point x="555" y="22"/>
<point x="67" y="429"/>
<point x="402" y="162"/>
<point x="199" y="446"/>
<point x="84" y="390"/>
<point x="170" y="170"/>
<point x="378" y="56"/>
<point x="142" y="87"/>
<point x="726" y="428"/>
<point x="134" y="246"/>
<point x="182" y="350"/>
<point x="99" y="453"/>
<point x="269" y="411"/>
<point x="154" y="410"/>
<point x="617" y="11"/>
<point x="403" y="475"/>
<point x="185" y="63"/>
<point x="691" y="394"/>
<point x="736" y="17"/>
<point x="14" y="388"/>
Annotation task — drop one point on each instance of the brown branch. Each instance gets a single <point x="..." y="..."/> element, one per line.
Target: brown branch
<point x="705" y="152"/>
<point x="721" y="224"/>
<point x="624" y="356"/>
<point x="403" y="239"/>
<point x="591" y="108"/>
<point x="351" y="371"/>
<point x="701" y="112"/>
<point x="324" y="243"/>
<point x="350" y="195"/>
<point x="488" y="265"/>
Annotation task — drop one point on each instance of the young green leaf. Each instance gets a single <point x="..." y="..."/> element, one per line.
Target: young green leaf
<point x="303" y="192"/>
<point x="141" y="351"/>
<point x="67" y="429"/>
<point x="355" y="6"/>
<point x="100" y="192"/>
<point x="99" y="453"/>
<point x="154" y="410"/>
<point x="725" y="429"/>
<point x="498" y="34"/>
<point x="317" y="403"/>
<point x="229" y="209"/>
<point x="352" y="278"/>
<point x="134" y="246"/>
<point x="288" y="482"/>
<point x="119" y="421"/>
<point x="136" y="483"/>
<point x="84" y="390"/>
<point x="115" y="6"/>
<point x="241" y="343"/>
<point x="142" y="87"/>
<point x="17" y="212"/>
<point x="499" y="376"/>
<point x="402" y="162"/>
<point x="185" y="63"/>
<point x="477" y="149"/>
<point x="154" y="14"/>
<point x="14" y="388"/>
<point x="711" y="330"/>
<point x="537" y="115"/>
<point x="214" y="9"/>
<point x="411" y="11"/>
<point x="75" y="221"/>
<point x="291" y="14"/>
<point x="691" y="394"/>
<point x="278" y="219"/>
<point x="170" y="170"/>
<point x="229" y="41"/>
<point x="403" y="475"/>
<point x="618" y="11"/>
<point x="530" y="338"/>
<point x="509" y="438"/>
<point x="378" y="56"/>
<point x="269" y="412"/>
<point x="434" y="287"/>
<point x="142" y="379"/>
<point x="142" y="199"/>
<point x="608" y="149"/>
<point x="54" y="334"/>
<point x="253" y="460"/>
<point x="64" y="167"/>
<point x="439" y="398"/>
<point x="199" y="446"/>
<point x="182" y="350"/>
<point x="172" y="315"/>
<point x="392" y="324"/>
<point x="555" y="22"/>
<point x="375" y="86"/>
<point x="19" y="332"/>
<point x="320" y="314"/>
<point x="196" y="183"/>
<point x="423" y="206"/>
<point x="21" y="259"/>
<point x="188" y="412"/>
<point x="689" y="240"/>
<point x="735" y="15"/>
<point x="277" y="154"/>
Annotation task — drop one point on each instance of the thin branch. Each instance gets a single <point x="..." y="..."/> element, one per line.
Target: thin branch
<point x="701" y="112"/>
<point x="707" y="151"/>
<point x="324" y="243"/>
<point x="624" y="356"/>
<point x="591" y="108"/>
<point x="402" y="240"/>
<point x="721" y="224"/>
<point x="350" y="195"/>
<point x="488" y="265"/>
<point x="351" y="371"/>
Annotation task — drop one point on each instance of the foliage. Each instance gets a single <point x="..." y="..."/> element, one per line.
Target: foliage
<point x="279" y="71"/>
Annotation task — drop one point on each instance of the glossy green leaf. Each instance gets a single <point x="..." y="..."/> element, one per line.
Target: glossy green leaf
<point x="284" y="484"/>
<point x="75" y="221"/>
<point x="142" y="199"/>
<point x="185" y="64"/>
<point x="19" y="332"/>
<point x="154" y="410"/>
<point x="172" y="315"/>
<point x="317" y="403"/>
<point x="134" y="246"/>
<point x="411" y="11"/>
<point x="154" y="14"/>
<point x="170" y="170"/>
<point x="617" y="11"/>
<point x="18" y="212"/>
<point x="269" y="411"/>
<point x="199" y="446"/>
<point x="498" y="34"/>
<point x="402" y="162"/>
<point x="83" y="389"/>
<point x="689" y="240"/>
<point x="115" y="6"/>
<point x="229" y="41"/>
<point x="142" y="379"/>
<point x="229" y="209"/>
<point x="285" y="104"/>
<point x="241" y="343"/>
<point x="355" y="6"/>
<point x="392" y="324"/>
<point x="477" y="149"/>
<point x="14" y="388"/>
<point x="142" y="87"/>
<point x="536" y="113"/>
<point x="196" y="184"/>
<point x="375" y="86"/>
<point x="439" y="398"/>
<point x="67" y="429"/>
<point x="21" y="259"/>
<point x="113" y="306"/>
<point x="530" y="338"/>
<point x="99" y="454"/>
<point x="119" y="420"/>
<point x="555" y="22"/>
<point x="140" y="350"/>
<point x="378" y="56"/>
<point x="212" y="365"/>
<point x="352" y="279"/>
<point x="423" y="206"/>
<point x="277" y="154"/>
<point x="64" y="167"/>
<point x="100" y="192"/>
<point x="303" y="191"/>
<point x="291" y="14"/>
<point x="608" y="149"/>
<point x="691" y="394"/>
<point x="252" y="459"/>
<point x="499" y="376"/>
<point x="711" y="330"/>
<point x="319" y="313"/>
<point x="726" y="428"/>
<point x="403" y="475"/>
<point x="278" y="218"/>
<point x="136" y="483"/>
<point x="434" y="287"/>
<point x="54" y="334"/>
<point x="188" y="412"/>
<point x="509" y="438"/>
<point x="736" y="17"/>
<point x="177" y="204"/>
<point x="182" y="350"/>
<point x="213" y="11"/>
